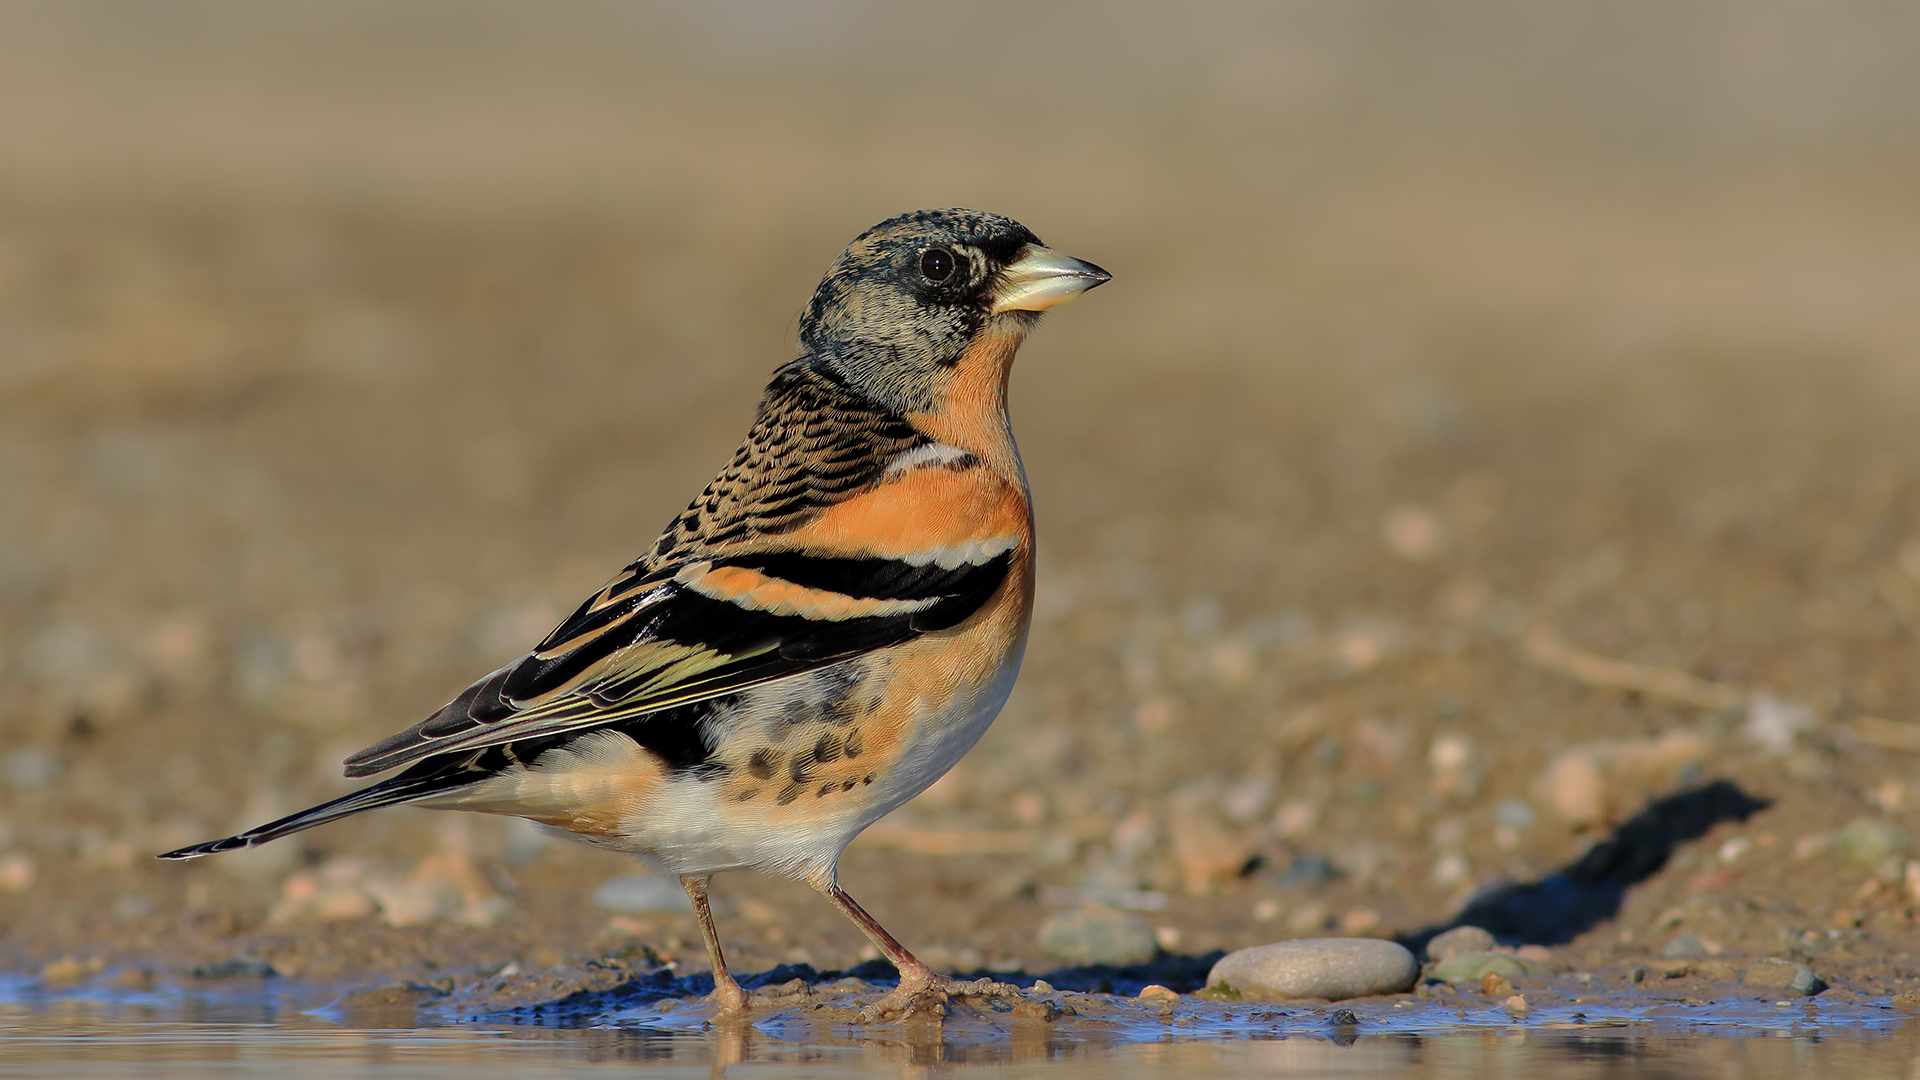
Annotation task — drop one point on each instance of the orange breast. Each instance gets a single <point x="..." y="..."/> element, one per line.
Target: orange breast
<point x="922" y="510"/>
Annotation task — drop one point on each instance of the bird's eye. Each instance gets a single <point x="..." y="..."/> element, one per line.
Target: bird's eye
<point x="938" y="263"/>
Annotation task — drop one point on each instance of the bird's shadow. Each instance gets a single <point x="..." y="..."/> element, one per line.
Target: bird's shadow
<point x="1588" y="891"/>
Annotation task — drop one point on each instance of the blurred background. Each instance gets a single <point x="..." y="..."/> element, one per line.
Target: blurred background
<point x="1452" y="351"/>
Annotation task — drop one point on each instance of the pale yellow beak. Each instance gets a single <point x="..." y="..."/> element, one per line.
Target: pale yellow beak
<point x="1042" y="278"/>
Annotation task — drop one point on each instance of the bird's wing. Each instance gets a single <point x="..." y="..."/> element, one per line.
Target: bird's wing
<point x="737" y="592"/>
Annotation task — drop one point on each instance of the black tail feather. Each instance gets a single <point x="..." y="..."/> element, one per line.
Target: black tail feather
<point x="408" y="786"/>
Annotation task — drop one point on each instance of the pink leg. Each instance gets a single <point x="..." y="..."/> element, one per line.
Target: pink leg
<point x="919" y="986"/>
<point x="726" y="992"/>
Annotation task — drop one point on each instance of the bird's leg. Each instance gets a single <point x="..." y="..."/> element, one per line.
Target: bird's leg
<point x="919" y="987"/>
<point x="726" y="992"/>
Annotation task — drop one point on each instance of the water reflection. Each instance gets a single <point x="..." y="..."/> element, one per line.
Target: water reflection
<point x="286" y="1034"/>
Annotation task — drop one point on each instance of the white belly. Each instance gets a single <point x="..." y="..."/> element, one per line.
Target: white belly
<point x="690" y="829"/>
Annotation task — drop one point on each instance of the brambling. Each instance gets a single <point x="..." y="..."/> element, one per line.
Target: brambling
<point x="821" y="635"/>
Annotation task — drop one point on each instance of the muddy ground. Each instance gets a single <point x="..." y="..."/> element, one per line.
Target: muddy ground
<point x="1494" y="459"/>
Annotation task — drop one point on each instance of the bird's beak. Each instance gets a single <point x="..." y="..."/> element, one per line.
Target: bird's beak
<point x="1042" y="278"/>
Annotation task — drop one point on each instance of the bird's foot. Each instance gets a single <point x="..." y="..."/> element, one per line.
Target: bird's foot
<point x="731" y="1001"/>
<point x="921" y="994"/>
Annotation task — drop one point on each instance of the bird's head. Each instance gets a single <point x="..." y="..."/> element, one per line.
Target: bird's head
<point x="898" y="310"/>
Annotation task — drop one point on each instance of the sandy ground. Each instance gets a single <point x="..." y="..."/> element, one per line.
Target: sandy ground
<point x="1469" y="455"/>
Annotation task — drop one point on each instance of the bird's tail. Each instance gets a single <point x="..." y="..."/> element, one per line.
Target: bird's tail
<point x="400" y="789"/>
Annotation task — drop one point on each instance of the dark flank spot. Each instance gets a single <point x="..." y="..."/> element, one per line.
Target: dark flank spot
<point x="867" y="779"/>
<point x="848" y="786"/>
<point x="761" y="764"/>
<point x="788" y="794"/>
<point x="827" y="749"/>
<point x="856" y="742"/>
<point x="797" y="768"/>
<point x="824" y="788"/>
<point x="747" y="795"/>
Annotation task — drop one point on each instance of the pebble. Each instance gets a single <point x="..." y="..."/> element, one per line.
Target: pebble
<point x="1097" y="935"/>
<point x="1156" y="992"/>
<point x="1209" y="856"/>
<point x="1460" y="939"/>
<point x="1685" y="947"/>
<point x="16" y="873"/>
<point x="1332" y="969"/>
<point x="67" y="969"/>
<point x="1869" y="841"/>
<point x="1771" y="974"/>
<point x="1598" y="782"/>
<point x="1471" y="967"/>
<point x="643" y="892"/>
<point x="1515" y="1006"/>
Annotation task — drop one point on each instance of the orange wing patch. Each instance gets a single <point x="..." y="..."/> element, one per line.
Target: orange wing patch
<point x="756" y="591"/>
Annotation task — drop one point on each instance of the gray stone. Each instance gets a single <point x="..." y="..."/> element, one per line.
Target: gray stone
<point x="1329" y="968"/>
<point x="1098" y="935"/>
<point x="1307" y="872"/>
<point x="1460" y="939"/>
<point x="643" y="892"/>
<point x="1469" y="967"/>
<point x="1869" y="841"/>
<point x="1783" y="975"/>
<point x="1684" y="947"/>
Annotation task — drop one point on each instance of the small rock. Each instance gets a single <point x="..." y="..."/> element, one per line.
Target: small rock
<point x="235" y="968"/>
<point x="1870" y="842"/>
<point x="1772" y="974"/>
<point x="1359" y="921"/>
<point x="1308" y="917"/>
<point x="1097" y="935"/>
<point x="1686" y="946"/>
<point x="1328" y="968"/>
<point x="1156" y="992"/>
<point x="1772" y="723"/>
<point x="1515" y="1006"/>
<point x="1457" y="769"/>
<point x="792" y="988"/>
<point x="1717" y="970"/>
<point x="1467" y="968"/>
<point x="1599" y="782"/>
<point x="68" y="970"/>
<point x="1209" y="856"/>
<point x="1308" y="871"/>
<point x="1494" y="985"/>
<point x="1045" y="1012"/>
<point x="643" y="892"/>
<point x="1460" y="939"/>
<point x="16" y="873"/>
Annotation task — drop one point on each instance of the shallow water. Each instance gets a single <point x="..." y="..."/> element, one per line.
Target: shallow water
<point x="292" y="1033"/>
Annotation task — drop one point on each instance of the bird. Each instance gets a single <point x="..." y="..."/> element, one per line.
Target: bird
<point x="828" y="627"/>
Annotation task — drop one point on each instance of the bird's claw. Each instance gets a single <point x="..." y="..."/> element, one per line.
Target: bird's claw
<point x="914" y="998"/>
